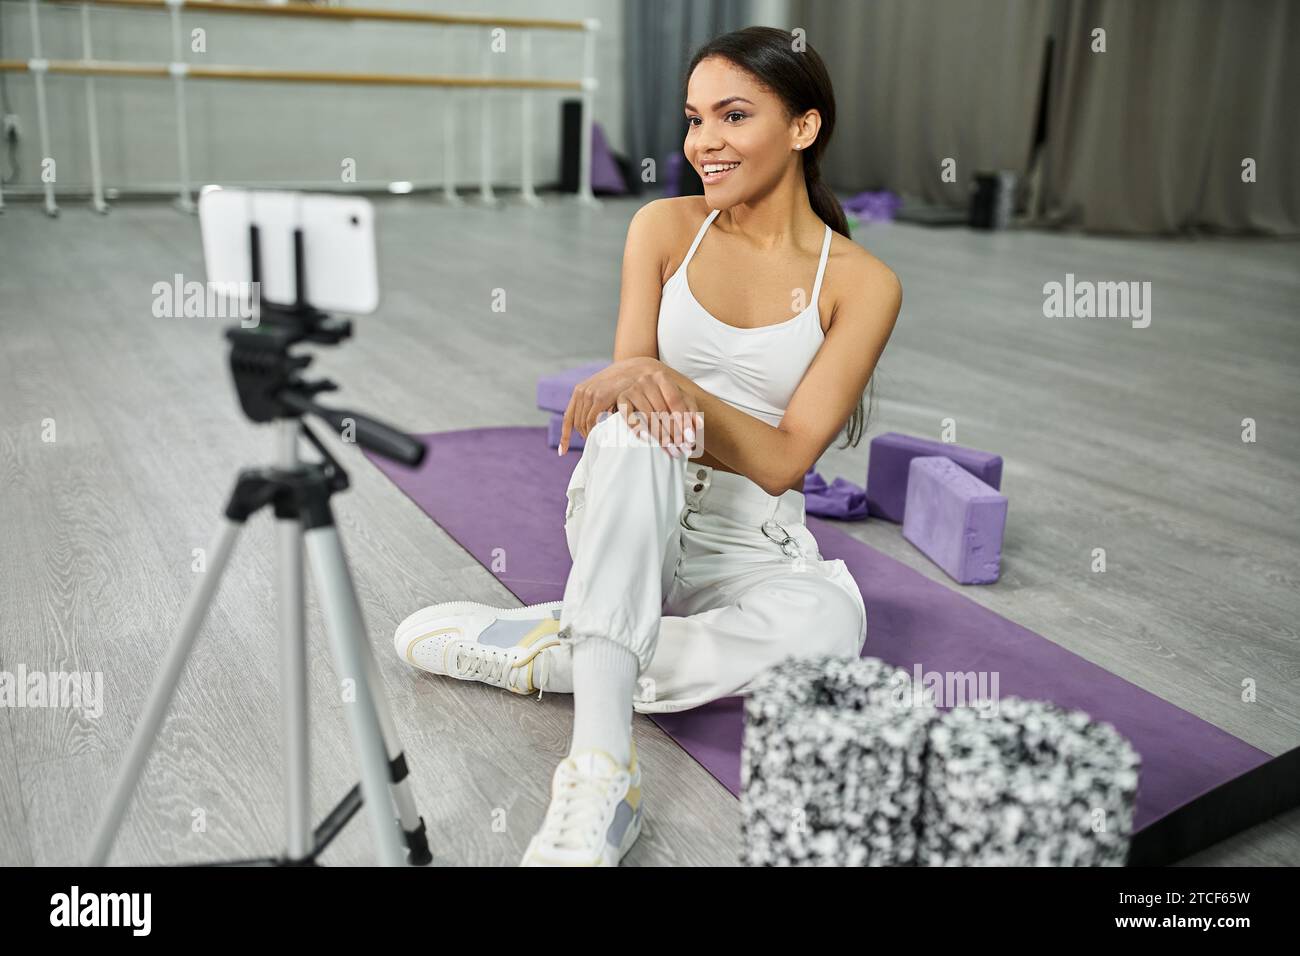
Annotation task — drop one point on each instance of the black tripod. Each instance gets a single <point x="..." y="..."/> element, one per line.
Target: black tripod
<point x="270" y="390"/>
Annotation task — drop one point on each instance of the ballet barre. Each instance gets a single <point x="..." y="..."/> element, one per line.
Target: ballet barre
<point x="179" y="71"/>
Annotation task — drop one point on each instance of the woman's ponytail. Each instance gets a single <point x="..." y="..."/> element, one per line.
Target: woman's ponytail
<point x="822" y="198"/>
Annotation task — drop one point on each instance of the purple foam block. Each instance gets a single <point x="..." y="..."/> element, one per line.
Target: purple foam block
<point x="553" y="391"/>
<point x="955" y="519"/>
<point x="556" y="427"/>
<point x="606" y="177"/>
<point x="892" y="453"/>
<point x="673" y="173"/>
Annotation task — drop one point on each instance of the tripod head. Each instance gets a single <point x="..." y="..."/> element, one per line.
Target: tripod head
<point x="266" y="372"/>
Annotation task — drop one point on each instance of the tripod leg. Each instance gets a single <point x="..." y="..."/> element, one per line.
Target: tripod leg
<point x="417" y="841"/>
<point x="348" y="639"/>
<point x="293" y="687"/>
<point x="160" y="695"/>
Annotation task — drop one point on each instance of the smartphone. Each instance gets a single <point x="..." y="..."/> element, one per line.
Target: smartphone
<point x="340" y="269"/>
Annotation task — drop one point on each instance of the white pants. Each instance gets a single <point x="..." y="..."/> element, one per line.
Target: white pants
<point x="704" y="576"/>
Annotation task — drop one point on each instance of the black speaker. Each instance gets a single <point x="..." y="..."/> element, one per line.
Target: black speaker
<point x="570" y="144"/>
<point x="570" y="150"/>
<point x="631" y="174"/>
<point x="983" y="200"/>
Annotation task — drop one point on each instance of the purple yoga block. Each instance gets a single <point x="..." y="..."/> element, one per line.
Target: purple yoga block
<point x="606" y="177"/>
<point x="556" y="427"/>
<point x="553" y="391"/>
<point x="888" y="462"/>
<point x="955" y="519"/>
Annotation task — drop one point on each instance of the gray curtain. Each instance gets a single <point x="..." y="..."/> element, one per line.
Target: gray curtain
<point x="659" y="37"/>
<point x="921" y="81"/>
<point x="1148" y="137"/>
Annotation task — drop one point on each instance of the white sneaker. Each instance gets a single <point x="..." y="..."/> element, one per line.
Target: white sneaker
<point x="595" y="812"/>
<point x="469" y="641"/>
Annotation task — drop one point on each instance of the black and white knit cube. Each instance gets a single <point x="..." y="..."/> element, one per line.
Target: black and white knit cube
<point x="831" y="765"/>
<point x="1026" y="783"/>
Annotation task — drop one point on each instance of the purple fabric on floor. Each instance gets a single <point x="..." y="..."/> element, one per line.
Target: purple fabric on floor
<point x="870" y="206"/>
<point x="840" y="499"/>
<point x="495" y="488"/>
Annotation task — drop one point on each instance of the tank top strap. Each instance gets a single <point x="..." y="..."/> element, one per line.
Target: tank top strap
<point x="821" y="266"/>
<point x="698" y="236"/>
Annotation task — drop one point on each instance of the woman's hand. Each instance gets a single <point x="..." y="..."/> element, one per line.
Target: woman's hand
<point x="659" y="408"/>
<point x="647" y="393"/>
<point x="597" y="394"/>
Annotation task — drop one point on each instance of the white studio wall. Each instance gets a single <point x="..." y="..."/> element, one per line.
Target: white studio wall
<point x="304" y="135"/>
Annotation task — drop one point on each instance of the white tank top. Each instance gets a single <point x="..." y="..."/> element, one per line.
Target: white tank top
<point x="755" y="370"/>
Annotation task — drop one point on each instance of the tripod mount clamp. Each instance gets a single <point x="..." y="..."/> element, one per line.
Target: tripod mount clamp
<point x="266" y="371"/>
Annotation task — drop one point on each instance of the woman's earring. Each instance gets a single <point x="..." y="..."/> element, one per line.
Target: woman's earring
<point x="798" y="145"/>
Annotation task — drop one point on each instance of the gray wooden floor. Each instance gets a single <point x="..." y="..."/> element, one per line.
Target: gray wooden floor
<point x="1116" y="438"/>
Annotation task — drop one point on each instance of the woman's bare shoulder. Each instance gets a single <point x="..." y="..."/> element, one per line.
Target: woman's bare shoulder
<point x="858" y="275"/>
<point x="672" y="215"/>
<point x="670" y="223"/>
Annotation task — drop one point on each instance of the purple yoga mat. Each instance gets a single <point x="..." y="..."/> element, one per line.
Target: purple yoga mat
<point x="504" y="488"/>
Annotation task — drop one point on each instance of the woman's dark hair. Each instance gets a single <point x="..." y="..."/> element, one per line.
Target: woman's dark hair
<point x="792" y="69"/>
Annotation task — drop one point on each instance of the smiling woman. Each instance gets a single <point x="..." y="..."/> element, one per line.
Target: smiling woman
<point x="743" y="311"/>
<point x="774" y="365"/>
<point x="760" y="111"/>
<point x="774" y="81"/>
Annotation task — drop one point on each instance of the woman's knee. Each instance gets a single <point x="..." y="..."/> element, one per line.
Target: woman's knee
<point x="642" y="454"/>
<point x="832" y="619"/>
<point x="614" y="430"/>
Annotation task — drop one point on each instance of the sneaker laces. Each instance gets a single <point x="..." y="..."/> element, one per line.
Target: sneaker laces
<point x="488" y="664"/>
<point x="577" y="808"/>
